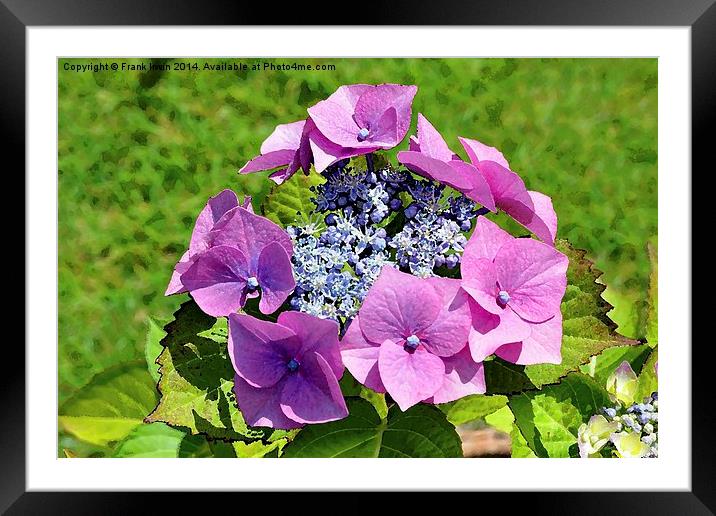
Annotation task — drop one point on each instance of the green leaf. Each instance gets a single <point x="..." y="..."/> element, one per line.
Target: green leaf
<point x="604" y="364"/>
<point x="257" y="449"/>
<point x="628" y="312"/>
<point x="548" y="419"/>
<point x="652" y="320"/>
<point x="469" y="408"/>
<point x="291" y="200"/>
<point x="505" y="378"/>
<point x="111" y="405"/>
<point x="557" y="423"/>
<point x="152" y="440"/>
<point x="520" y="449"/>
<point x="586" y="328"/>
<point x="502" y="419"/>
<point x="197" y="379"/>
<point x="153" y="346"/>
<point x="648" y="380"/>
<point x="421" y="431"/>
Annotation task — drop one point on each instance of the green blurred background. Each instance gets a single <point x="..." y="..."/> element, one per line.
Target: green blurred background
<point x="140" y="153"/>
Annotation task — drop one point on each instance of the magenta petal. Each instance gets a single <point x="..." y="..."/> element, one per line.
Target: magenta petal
<point x="275" y="277"/>
<point x="409" y="377"/>
<point x="508" y="190"/>
<point x="480" y="281"/>
<point x="477" y="152"/>
<point x="326" y="153"/>
<point x="284" y="137"/>
<point x="542" y="346"/>
<point x="489" y="334"/>
<point x="398" y="305"/>
<point x="317" y="335"/>
<point x="217" y="280"/>
<point x="544" y="222"/>
<point x="373" y="103"/>
<point x="479" y="190"/>
<point x="215" y="208"/>
<point x="486" y="240"/>
<point x="535" y="276"/>
<point x="432" y="143"/>
<point x="336" y="123"/>
<point x="435" y="169"/>
<point x="384" y="132"/>
<point x="413" y="144"/>
<point x="262" y="407"/>
<point x="462" y="377"/>
<point x="312" y="393"/>
<point x="361" y="357"/>
<point x="175" y="285"/>
<point x="249" y="232"/>
<point x="275" y="159"/>
<point x="259" y="350"/>
<point x="305" y="154"/>
<point x="448" y="334"/>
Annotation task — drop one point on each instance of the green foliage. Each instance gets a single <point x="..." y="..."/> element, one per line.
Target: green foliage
<point x="291" y="199"/>
<point x="421" y="431"/>
<point x="652" y="321"/>
<point x="155" y="440"/>
<point x="548" y="419"/>
<point x="648" y="381"/>
<point x="520" y="448"/>
<point x="604" y="364"/>
<point x="110" y="406"/>
<point x="469" y="408"/>
<point x="153" y="346"/>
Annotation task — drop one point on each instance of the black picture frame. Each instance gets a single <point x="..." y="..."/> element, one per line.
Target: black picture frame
<point x="17" y="15"/>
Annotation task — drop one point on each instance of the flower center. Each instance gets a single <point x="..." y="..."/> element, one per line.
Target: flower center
<point x="363" y="134"/>
<point x="292" y="364"/>
<point x="252" y="283"/>
<point x="503" y="297"/>
<point x="412" y="341"/>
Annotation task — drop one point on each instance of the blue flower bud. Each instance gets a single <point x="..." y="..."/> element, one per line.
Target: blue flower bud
<point x="411" y="211"/>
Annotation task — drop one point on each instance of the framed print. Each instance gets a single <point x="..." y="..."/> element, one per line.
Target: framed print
<point x="346" y="258"/>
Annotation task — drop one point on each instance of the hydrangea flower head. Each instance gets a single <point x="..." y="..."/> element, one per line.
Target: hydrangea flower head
<point x="516" y="286"/>
<point x="533" y="210"/>
<point x="286" y="372"/>
<point x="285" y="147"/>
<point x="592" y="436"/>
<point x="248" y="255"/>
<point x="622" y="384"/>
<point x="430" y="156"/>
<point x="215" y="208"/>
<point x="409" y="340"/>
<point x="359" y="119"/>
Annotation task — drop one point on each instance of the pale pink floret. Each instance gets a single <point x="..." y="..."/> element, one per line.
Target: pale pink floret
<point x="409" y="340"/>
<point x="516" y="286"/>
<point x="358" y="119"/>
